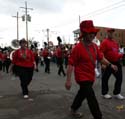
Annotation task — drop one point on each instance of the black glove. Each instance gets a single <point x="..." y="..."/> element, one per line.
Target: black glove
<point x="123" y="56"/>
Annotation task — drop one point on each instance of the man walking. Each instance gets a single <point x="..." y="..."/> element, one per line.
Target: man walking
<point x="110" y="48"/>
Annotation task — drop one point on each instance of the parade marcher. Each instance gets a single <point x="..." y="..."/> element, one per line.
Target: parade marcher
<point x="82" y="60"/>
<point x="60" y="57"/>
<point x="36" y="56"/>
<point x="6" y="61"/>
<point x="66" y="55"/>
<point x="24" y="62"/>
<point x="1" y="60"/>
<point x="46" y="56"/>
<point x="98" y="67"/>
<point x="55" y="55"/>
<point x="41" y="57"/>
<point x="110" y="48"/>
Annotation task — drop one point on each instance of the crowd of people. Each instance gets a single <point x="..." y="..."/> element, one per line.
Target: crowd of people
<point x="82" y="58"/>
<point x="22" y="62"/>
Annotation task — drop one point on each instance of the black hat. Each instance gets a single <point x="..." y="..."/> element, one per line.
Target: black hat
<point x="59" y="39"/>
<point x="22" y="41"/>
<point x="45" y="43"/>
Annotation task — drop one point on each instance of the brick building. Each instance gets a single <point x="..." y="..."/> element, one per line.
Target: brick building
<point x="119" y="34"/>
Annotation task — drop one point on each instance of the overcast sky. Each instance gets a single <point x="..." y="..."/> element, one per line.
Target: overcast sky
<point x="60" y="16"/>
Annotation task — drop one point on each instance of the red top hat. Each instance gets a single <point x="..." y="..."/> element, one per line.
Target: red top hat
<point x="88" y="27"/>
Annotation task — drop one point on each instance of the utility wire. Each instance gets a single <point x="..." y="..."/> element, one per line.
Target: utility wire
<point x="103" y="10"/>
<point x="94" y="13"/>
<point x="107" y="7"/>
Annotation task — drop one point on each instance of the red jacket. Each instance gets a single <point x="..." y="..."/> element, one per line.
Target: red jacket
<point x="59" y="52"/>
<point x="84" y="68"/>
<point x="23" y="58"/>
<point x="110" y="48"/>
<point x="4" y="57"/>
<point x="45" y="53"/>
<point x="1" y="56"/>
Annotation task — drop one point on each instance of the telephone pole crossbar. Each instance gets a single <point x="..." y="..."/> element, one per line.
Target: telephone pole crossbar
<point x="17" y="17"/>
<point x="26" y="19"/>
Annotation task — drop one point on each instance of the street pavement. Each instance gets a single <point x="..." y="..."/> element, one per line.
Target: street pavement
<point x="50" y="100"/>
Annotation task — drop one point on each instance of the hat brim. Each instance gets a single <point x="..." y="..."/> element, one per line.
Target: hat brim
<point x="90" y="30"/>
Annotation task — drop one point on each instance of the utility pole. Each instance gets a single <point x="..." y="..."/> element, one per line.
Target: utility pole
<point x="79" y="20"/>
<point x="47" y="36"/>
<point x="26" y="19"/>
<point x="17" y="17"/>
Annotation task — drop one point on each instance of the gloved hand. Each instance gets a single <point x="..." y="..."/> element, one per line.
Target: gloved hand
<point x="123" y="55"/>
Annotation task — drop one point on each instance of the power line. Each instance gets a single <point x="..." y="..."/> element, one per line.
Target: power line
<point x="105" y="9"/>
<point x="94" y="13"/>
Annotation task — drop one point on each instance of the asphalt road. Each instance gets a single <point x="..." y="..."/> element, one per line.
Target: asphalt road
<point x="50" y="100"/>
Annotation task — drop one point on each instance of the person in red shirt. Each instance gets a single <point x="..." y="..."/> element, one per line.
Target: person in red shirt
<point x="110" y="48"/>
<point x="24" y="62"/>
<point x="47" y="57"/>
<point x="36" y="56"/>
<point x="82" y="59"/>
<point x="60" y="59"/>
<point x="6" y="61"/>
<point x="66" y="55"/>
<point x="1" y="59"/>
<point x="1" y="62"/>
<point x="41" y="57"/>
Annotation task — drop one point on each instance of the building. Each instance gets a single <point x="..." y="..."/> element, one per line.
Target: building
<point x="119" y="34"/>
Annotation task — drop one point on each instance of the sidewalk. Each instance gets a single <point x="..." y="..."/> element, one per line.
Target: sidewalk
<point x="50" y="100"/>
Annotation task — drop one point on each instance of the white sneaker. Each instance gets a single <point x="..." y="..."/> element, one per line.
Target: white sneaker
<point x="119" y="96"/>
<point x="107" y="96"/>
<point x="26" y="96"/>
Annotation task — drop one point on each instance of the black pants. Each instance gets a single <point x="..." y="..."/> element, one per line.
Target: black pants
<point x="86" y="92"/>
<point x="60" y="65"/>
<point x="47" y="65"/>
<point x="105" y="78"/>
<point x="25" y="76"/>
<point x="1" y="65"/>
<point x="7" y="64"/>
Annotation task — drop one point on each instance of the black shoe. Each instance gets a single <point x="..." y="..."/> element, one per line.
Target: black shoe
<point x="59" y="74"/>
<point x="76" y="114"/>
<point x="48" y="72"/>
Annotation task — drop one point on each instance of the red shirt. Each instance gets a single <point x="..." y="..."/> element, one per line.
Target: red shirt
<point x="84" y="68"/>
<point x="59" y="52"/>
<point x="110" y="48"/>
<point x="4" y="57"/>
<point x="23" y="58"/>
<point x="45" y="53"/>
